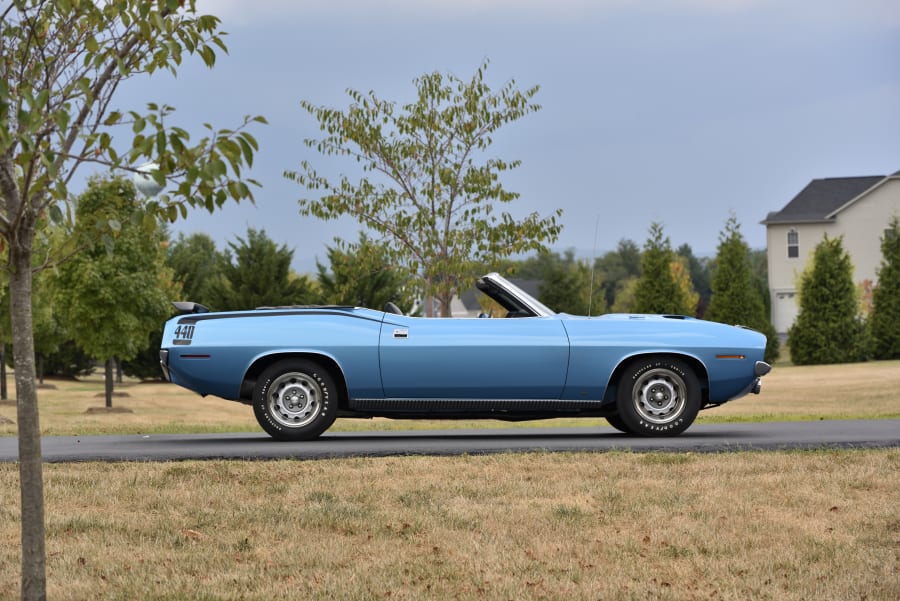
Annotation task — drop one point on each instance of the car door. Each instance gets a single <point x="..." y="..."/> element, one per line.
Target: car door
<point x="434" y="358"/>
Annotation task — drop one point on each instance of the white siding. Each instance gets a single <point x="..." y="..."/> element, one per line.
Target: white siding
<point x="861" y="223"/>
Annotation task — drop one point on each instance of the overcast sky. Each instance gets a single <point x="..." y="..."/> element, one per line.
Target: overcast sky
<point x="676" y="111"/>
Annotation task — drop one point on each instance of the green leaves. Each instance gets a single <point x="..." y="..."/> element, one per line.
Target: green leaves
<point x="659" y="288"/>
<point x="736" y="297"/>
<point x="118" y="275"/>
<point x="827" y="328"/>
<point x="66" y="59"/>
<point x="884" y="321"/>
<point x="425" y="182"/>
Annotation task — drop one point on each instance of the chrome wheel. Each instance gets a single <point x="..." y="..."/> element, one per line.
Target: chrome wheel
<point x="294" y="399"/>
<point x="659" y="396"/>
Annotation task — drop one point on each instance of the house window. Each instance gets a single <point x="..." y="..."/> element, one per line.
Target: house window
<point x="889" y="234"/>
<point x="793" y="244"/>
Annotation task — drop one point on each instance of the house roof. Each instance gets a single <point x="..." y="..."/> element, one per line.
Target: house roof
<point x="822" y="197"/>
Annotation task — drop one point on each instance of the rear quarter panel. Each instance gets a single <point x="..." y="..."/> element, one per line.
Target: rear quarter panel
<point x="224" y="345"/>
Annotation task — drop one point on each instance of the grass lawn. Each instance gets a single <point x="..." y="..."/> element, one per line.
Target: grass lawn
<point x="787" y="526"/>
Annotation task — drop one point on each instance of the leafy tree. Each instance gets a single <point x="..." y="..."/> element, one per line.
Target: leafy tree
<point x="828" y="328"/>
<point x="70" y="361"/>
<point x="535" y="267"/>
<point x="361" y="274"/>
<point x="189" y="261"/>
<point x="197" y="267"/>
<point x="884" y="322"/>
<point x="112" y="297"/>
<point x="759" y="266"/>
<point x="625" y="297"/>
<point x="256" y="273"/>
<point x="736" y="298"/>
<point x="145" y="364"/>
<point x="658" y="289"/>
<point x="61" y="63"/>
<point x="431" y="190"/>
<point x="192" y="272"/>
<point x="615" y="269"/>
<point x="566" y="286"/>
<point x="49" y="331"/>
<point x="683" y="280"/>
<point x="564" y="281"/>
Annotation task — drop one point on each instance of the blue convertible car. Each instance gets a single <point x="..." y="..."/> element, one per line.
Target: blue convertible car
<point x="301" y="367"/>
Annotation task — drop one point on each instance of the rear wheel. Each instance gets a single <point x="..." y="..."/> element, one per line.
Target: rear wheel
<point x="295" y="399"/>
<point x="658" y="396"/>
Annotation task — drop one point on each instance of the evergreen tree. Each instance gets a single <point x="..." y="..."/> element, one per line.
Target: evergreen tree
<point x="361" y="274"/>
<point x="885" y="319"/>
<point x="566" y="286"/>
<point x="197" y="266"/>
<point x="828" y="328"/>
<point x="257" y="273"/>
<point x="735" y="294"/>
<point x="658" y="290"/>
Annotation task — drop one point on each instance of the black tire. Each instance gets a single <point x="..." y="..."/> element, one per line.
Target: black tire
<point x="616" y="422"/>
<point x="295" y="399"/>
<point x="658" y="396"/>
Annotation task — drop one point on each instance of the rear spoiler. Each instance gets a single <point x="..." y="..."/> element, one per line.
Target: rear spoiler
<point x="186" y="307"/>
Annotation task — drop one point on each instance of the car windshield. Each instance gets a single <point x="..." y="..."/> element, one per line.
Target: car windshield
<point x="507" y="293"/>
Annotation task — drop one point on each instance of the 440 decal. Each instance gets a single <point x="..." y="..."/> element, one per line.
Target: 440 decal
<point x="184" y="334"/>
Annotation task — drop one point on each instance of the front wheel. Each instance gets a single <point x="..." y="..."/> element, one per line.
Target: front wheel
<point x="616" y="422"/>
<point x="295" y="399"/>
<point x="658" y="396"/>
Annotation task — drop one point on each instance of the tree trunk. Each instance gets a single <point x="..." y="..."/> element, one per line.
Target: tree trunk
<point x="109" y="382"/>
<point x="31" y="482"/>
<point x="3" y="392"/>
<point x="446" y="308"/>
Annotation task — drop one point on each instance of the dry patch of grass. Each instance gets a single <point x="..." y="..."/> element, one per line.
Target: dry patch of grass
<point x="848" y="391"/>
<point x="786" y="526"/>
<point x="852" y="391"/>
<point x="154" y="408"/>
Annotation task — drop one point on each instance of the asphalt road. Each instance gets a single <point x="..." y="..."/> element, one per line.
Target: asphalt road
<point x="699" y="438"/>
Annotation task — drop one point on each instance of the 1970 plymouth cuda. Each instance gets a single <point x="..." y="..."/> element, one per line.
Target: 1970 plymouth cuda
<point x="301" y="367"/>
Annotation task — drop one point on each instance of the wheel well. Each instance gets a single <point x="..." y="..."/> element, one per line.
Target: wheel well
<point x="325" y="361"/>
<point x="698" y="368"/>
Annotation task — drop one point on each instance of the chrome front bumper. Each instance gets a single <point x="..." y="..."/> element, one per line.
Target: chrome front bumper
<point x="760" y="369"/>
<point x="164" y="363"/>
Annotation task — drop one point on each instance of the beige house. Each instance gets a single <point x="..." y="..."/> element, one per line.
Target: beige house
<point x="857" y="208"/>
